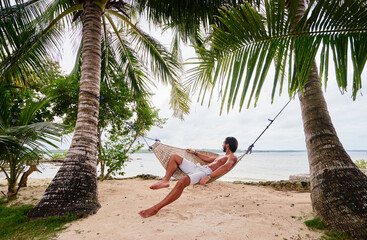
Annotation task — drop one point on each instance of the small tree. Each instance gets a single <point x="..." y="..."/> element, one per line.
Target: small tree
<point x="288" y="34"/>
<point x="29" y="137"/>
<point x="119" y="139"/>
<point x="122" y="142"/>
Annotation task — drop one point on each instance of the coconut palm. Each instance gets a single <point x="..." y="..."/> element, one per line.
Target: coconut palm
<point x="74" y="189"/>
<point x="239" y="53"/>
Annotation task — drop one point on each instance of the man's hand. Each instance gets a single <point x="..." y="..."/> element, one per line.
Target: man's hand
<point x="204" y="180"/>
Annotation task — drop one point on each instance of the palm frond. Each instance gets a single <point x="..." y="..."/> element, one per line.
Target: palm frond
<point x="4" y="109"/>
<point x="30" y="110"/>
<point x="36" y="137"/>
<point x="22" y="13"/>
<point x="36" y="40"/>
<point x="179" y="100"/>
<point x="156" y="58"/>
<point x="248" y="42"/>
<point x="187" y="17"/>
<point x="135" y="72"/>
<point x="6" y="143"/>
<point x="161" y="62"/>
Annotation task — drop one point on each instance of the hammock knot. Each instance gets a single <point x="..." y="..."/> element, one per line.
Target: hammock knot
<point x="251" y="146"/>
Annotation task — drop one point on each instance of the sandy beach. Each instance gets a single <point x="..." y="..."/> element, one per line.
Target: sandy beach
<point x="220" y="210"/>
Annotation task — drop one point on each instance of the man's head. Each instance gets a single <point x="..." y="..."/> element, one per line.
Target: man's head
<point x="230" y="143"/>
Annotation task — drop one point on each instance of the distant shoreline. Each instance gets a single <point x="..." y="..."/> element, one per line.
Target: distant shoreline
<point x="218" y="151"/>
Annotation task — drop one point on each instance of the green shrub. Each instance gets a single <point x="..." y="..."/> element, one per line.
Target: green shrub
<point x="362" y="164"/>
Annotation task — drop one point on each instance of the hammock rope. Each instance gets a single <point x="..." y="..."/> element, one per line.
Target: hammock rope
<point x="101" y="98"/>
<point x="271" y="122"/>
<point x="163" y="151"/>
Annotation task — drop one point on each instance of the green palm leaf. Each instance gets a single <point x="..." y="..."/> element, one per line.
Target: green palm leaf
<point x="186" y="17"/>
<point x="259" y="39"/>
<point x="28" y="51"/>
<point x="149" y="51"/>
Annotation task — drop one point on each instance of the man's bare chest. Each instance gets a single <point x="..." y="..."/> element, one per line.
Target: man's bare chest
<point x="220" y="160"/>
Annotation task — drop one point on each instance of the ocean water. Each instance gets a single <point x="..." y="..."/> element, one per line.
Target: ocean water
<point x="258" y="166"/>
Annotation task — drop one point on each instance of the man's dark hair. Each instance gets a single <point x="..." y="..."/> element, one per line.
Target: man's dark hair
<point x="233" y="144"/>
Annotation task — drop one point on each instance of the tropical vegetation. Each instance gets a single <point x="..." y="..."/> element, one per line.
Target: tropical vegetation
<point x="120" y="112"/>
<point x="288" y="35"/>
<point x="361" y="163"/>
<point x="24" y="124"/>
<point x="111" y="45"/>
<point x="244" y="42"/>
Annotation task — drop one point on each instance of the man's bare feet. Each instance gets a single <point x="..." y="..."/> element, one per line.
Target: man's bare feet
<point x="160" y="184"/>
<point x="148" y="212"/>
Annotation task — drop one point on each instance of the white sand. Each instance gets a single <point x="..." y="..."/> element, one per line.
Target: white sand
<point x="217" y="211"/>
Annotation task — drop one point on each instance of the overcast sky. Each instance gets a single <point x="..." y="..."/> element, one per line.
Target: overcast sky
<point x="205" y="128"/>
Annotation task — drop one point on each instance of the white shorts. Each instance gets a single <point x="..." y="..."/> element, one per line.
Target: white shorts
<point x="195" y="171"/>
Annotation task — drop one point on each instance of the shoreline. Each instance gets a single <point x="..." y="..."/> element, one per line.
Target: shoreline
<point x="220" y="210"/>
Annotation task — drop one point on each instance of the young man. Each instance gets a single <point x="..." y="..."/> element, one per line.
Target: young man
<point x="195" y="173"/>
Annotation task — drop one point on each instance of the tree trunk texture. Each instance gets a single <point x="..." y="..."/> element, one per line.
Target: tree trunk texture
<point x="24" y="179"/>
<point x="100" y="155"/>
<point x="12" y="192"/>
<point x="74" y="188"/>
<point x="338" y="187"/>
<point x="12" y="180"/>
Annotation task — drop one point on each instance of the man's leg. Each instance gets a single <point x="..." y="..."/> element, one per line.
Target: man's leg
<point x="171" y="197"/>
<point x="173" y="162"/>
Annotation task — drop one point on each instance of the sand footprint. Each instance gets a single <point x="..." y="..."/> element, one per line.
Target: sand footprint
<point x="182" y="217"/>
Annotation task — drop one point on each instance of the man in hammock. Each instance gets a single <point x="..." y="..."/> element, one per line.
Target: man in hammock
<point x="217" y="166"/>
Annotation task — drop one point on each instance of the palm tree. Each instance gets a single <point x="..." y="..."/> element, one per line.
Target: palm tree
<point x="250" y="39"/>
<point x="74" y="189"/>
<point x="29" y="139"/>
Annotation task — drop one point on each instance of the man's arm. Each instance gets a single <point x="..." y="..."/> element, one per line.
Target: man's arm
<point x="220" y="171"/>
<point x="203" y="157"/>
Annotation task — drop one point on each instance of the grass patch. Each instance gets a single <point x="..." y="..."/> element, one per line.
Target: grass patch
<point x="317" y="224"/>
<point x="336" y="236"/>
<point x="15" y="225"/>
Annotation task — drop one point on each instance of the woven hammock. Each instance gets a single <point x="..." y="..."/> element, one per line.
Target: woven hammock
<point x="163" y="152"/>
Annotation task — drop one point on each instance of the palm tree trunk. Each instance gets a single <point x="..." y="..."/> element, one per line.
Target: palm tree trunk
<point x="74" y="188"/>
<point x="101" y="159"/>
<point x="12" y="180"/>
<point x="338" y="187"/>
<point x="11" y="194"/>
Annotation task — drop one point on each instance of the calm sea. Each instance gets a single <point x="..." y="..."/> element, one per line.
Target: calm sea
<point x="258" y="166"/>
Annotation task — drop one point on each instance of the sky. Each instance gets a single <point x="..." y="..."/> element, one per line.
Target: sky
<point x="205" y="128"/>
